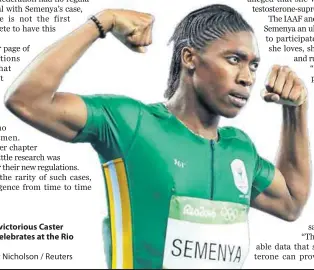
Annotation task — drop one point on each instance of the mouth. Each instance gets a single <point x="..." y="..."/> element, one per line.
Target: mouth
<point x="238" y="99"/>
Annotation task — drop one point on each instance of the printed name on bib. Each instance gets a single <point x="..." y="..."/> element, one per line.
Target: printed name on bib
<point x="206" y="251"/>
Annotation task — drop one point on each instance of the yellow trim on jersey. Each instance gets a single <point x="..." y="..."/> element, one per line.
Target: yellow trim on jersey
<point x="118" y="193"/>
<point x="112" y="218"/>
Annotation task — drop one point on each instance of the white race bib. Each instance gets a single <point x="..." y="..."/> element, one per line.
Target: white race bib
<point x="205" y="234"/>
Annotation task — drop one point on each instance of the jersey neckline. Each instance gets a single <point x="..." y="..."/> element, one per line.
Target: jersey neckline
<point x="224" y="133"/>
<point x="163" y="111"/>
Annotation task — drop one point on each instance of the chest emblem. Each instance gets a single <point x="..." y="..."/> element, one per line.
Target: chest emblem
<point x="240" y="176"/>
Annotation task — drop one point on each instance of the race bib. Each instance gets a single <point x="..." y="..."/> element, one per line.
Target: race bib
<point x="204" y="234"/>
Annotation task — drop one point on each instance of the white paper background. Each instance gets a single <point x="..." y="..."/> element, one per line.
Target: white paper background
<point x="108" y="67"/>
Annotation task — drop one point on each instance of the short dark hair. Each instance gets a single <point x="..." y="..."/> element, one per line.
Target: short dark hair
<point x="196" y="30"/>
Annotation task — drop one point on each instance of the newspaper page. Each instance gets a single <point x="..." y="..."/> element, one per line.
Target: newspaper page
<point x="103" y="201"/>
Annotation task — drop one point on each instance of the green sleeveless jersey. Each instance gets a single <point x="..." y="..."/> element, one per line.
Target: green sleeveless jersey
<point x="175" y="199"/>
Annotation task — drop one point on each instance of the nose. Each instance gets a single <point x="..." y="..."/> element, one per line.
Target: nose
<point x="245" y="77"/>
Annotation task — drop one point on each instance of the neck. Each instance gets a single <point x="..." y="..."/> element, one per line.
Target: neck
<point x="186" y="106"/>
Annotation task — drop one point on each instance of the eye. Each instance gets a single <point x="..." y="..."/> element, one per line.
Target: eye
<point x="233" y="59"/>
<point x="254" y="66"/>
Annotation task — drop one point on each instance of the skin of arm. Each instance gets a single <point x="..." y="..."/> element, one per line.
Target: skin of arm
<point x="286" y="197"/>
<point x="33" y="96"/>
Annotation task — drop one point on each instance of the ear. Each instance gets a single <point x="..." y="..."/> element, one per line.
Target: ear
<point x="188" y="58"/>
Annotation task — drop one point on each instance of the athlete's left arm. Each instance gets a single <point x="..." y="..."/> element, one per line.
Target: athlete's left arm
<point x="286" y="196"/>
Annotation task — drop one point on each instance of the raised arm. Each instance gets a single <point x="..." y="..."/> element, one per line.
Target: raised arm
<point x="290" y="188"/>
<point x="33" y="98"/>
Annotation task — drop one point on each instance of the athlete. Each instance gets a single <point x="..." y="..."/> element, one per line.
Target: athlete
<point x="179" y="187"/>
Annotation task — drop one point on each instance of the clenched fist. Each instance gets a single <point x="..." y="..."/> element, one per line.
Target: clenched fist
<point x="283" y="86"/>
<point x="132" y="28"/>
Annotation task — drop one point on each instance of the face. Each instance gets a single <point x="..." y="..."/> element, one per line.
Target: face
<point x="225" y="73"/>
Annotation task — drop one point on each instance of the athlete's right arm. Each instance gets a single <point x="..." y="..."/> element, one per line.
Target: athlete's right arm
<point x="33" y="96"/>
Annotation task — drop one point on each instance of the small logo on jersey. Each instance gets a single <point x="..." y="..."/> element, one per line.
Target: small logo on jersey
<point x="240" y="176"/>
<point x="179" y="163"/>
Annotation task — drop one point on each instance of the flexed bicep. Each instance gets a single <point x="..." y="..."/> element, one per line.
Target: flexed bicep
<point x="276" y="199"/>
<point x="33" y="96"/>
<point x="62" y="116"/>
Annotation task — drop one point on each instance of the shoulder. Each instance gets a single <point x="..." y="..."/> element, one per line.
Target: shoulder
<point x="111" y="100"/>
<point x="236" y="135"/>
<point x="112" y="106"/>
